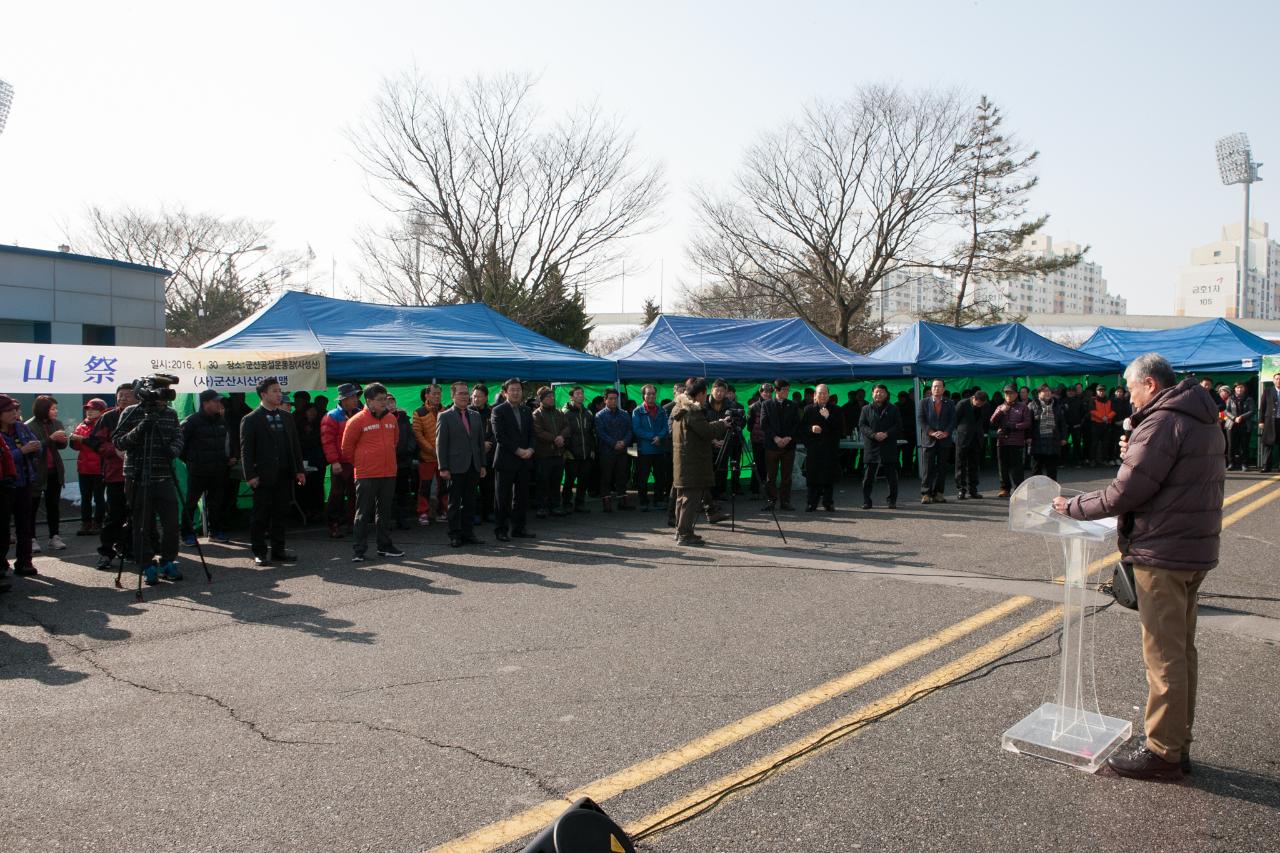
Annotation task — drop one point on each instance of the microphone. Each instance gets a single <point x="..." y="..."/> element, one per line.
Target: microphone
<point x="1127" y="427"/>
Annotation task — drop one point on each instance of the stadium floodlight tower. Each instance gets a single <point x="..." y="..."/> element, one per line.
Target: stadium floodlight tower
<point x="1236" y="166"/>
<point x="6" y="98"/>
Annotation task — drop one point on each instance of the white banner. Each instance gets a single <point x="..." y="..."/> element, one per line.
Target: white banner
<point x="63" y="369"/>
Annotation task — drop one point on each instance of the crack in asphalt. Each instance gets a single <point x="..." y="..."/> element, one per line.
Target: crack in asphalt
<point x="543" y="785"/>
<point x="357" y="691"/>
<point x="87" y="653"/>
<point x="195" y="694"/>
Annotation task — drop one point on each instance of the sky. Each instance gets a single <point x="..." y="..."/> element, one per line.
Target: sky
<point x="245" y="108"/>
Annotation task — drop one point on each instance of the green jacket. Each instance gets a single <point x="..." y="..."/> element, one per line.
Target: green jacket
<point x="691" y="437"/>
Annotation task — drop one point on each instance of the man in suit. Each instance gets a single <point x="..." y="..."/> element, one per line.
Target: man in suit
<point x="780" y="423"/>
<point x="513" y="431"/>
<point x="272" y="460"/>
<point x="460" y="453"/>
<point x="1268" y="418"/>
<point x="936" y="416"/>
<point x="971" y="438"/>
<point x="480" y="405"/>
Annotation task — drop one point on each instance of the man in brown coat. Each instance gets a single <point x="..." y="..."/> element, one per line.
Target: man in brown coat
<point x="691" y="437"/>
<point x="1168" y="498"/>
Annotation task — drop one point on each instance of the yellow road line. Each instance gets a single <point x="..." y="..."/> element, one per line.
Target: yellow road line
<point x="959" y="667"/>
<point x="497" y="834"/>
<point x="515" y="827"/>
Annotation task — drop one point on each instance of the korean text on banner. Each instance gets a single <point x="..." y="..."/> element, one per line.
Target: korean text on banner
<point x="65" y="369"/>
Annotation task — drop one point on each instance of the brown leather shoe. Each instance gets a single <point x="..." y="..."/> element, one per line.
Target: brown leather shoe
<point x="1004" y="493"/>
<point x="1142" y="763"/>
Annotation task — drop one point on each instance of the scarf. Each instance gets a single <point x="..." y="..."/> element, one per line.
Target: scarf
<point x="1047" y="424"/>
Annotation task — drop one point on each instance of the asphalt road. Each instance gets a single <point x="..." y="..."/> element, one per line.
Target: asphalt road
<point x="406" y="704"/>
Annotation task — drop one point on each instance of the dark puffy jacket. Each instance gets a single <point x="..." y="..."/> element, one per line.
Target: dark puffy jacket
<point x="163" y="445"/>
<point x="406" y="441"/>
<point x="1012" y="424"/>
<point x="582" y="432"/>
<point x="1168" y="493"/>
<point x="204" y="445"/>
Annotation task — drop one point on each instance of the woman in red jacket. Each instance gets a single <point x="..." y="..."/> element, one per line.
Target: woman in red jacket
<point x="93" y="504"/>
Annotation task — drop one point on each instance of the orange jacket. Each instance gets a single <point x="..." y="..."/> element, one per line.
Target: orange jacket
<point x="370" y="442"/>
<point x="424" y="430"/>
<point x="1100" y="412"/>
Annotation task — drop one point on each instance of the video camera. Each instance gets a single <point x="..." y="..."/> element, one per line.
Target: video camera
<point x="155" y="389"/>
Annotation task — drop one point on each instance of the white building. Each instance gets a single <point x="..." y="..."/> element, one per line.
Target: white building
<point x="1207" y="288"/>
<point x="912" y="291"/>
<point x="1079" y="289"/>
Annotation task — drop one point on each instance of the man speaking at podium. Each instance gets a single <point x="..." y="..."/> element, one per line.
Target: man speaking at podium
<point x="1168" y="499"/>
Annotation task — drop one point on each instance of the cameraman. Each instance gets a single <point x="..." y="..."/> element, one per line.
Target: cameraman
<point x="725" y="451"/>
<point x="151" y="438"/>
<point x="691" y="436"/>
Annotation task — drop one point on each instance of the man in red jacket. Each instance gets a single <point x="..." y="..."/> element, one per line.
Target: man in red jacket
<point x="1168" y="498"/>
<point x="342" y="490"/>
<point x="114" y="535"/>
<point x="369" y="441"/>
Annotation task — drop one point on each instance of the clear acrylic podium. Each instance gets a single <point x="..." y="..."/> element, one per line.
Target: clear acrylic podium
<point x="1069" y="729"/>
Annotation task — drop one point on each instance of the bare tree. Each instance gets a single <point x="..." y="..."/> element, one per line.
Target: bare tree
<point x="991" y="201"/>
<point x="611" y="341"/>
<point x="829" y="205"/>
<point x="222" y="269"/>
<point x="488" y="187"/>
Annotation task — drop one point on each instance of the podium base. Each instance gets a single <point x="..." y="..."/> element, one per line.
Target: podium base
<point x="1070" y="736"/>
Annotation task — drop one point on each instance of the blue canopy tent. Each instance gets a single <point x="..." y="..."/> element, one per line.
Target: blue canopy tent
<point x="362" y="341"/>
<point x="1009" y="349"/>
<point x="1214" y="346"/>
<point x="675" y="347"/>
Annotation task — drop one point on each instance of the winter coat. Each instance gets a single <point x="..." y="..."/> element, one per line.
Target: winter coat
<point x="10" y="456"/>
<point x="1012" y="424"/>
<point x="886" y="419"/>
<point x="1241" y="406"/>
<point x="406" y="440"/>
<point x="88" y="460"/>
<point x="369" y="441"/>
<point x="646" y="427"/>
<point x="163" y="445"/>
<point x="424" y="429"/>
<point x="971" y="425"/>
<point x="612" y="426"/>
<point x="486" y="433"/>
<point x="582" y="432"/>
<point x="1268" y="412"/>
<point x="1168" y="492"/>
<point x="1100" y="411"/>
<point x="548" y="424"/>
<point x="204" y="445"/>
<point x="822" y="451"/>
<point x="1049" y="444"/>
<point x="24" y="464"/>
<point x="100" y="441"/>
<point x="755" y="422"/>
<point x="780" y="419"/>
<point x="49" y="448"/>
<point x="1074" y="411"/>
<point x="691" y="437"/>
<point x="259" y="451"/>
<point x="309" y="440"/>
<point x="332" y="426"/>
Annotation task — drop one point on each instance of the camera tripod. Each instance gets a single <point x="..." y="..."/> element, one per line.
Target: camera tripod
<point x="734" y="460"/>
<point x="140" y="532"/>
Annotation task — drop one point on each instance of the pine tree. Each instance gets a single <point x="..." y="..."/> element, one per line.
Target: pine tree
<point x="652" y="311"/>
<point x="991" y="202"/>
<point x="558" y="314"/>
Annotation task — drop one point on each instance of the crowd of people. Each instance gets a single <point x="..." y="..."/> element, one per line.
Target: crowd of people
<point x="472" y="462"/>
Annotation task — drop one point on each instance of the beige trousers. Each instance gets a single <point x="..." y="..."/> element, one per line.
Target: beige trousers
<point x="1167" y="611"/>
